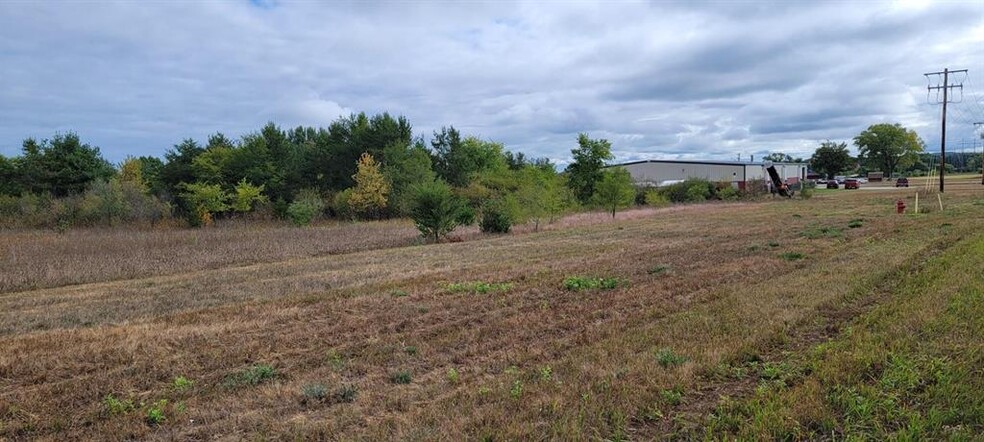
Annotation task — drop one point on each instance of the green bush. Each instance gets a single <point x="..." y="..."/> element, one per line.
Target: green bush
<point x="340" y="204"/>
<point x="495" y="218"/>
<point x="689" y="190"/>
<point x="728" y="193"/>
<point x="656" y="199"/>
<point x="437" y="211"/>
<point x="307" y="206"/>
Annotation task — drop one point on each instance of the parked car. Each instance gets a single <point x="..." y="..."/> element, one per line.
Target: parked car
<point x="840" y="179"/>
<point x="852" y="183"/>
<point x="902" y="182"/>
<point x="822" y="181"/>
<point x="832" y="184"/>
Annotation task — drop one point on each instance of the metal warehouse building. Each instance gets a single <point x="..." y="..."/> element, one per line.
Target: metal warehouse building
<point x="660" y="172"/>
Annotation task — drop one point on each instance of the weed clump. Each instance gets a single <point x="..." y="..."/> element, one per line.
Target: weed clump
<point x="658" y="269"/>
<point x="792" y="256"/>
<point x="578" y="283"/>
<point x="401" y="377"/>
<point x="251" y="376"/>
<point x="671" y="396"/>
<point x="318" y="393"/>
<point x="666" y="358"/>
<point x="155" y="414"/>
<point x="116" y="406"/>
<point x="855" y="223"/>
<point x="479" y="287"/>
<point x="815" y="232"/>
<point x="182" y="384"/>
<point x="314" y="393"/>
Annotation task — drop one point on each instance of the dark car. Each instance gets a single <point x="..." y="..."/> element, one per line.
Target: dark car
<point x="902" y="182"/>
<point x="832" y="184"/>
<point x="852" y="183"/>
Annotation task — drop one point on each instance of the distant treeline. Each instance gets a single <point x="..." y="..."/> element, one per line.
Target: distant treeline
<point x="358" y="167"/>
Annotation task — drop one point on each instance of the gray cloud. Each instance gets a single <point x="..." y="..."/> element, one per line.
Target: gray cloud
<point x="686" y="80"/>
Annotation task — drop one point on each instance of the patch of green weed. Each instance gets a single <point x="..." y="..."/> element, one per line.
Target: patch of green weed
<point x="578" y="283"/>
<point x="250" y="376"/>
<point x="117" y="406"/>
<point x="479" y="287"/>
<point x="401" y="377"/>
<point x="792" y="256"/>
<point x="666" y="358"/>
<point x="182" y="384"/>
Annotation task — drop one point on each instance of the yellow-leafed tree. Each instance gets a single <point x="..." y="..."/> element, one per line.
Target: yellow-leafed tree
<point x="368" y="197"/>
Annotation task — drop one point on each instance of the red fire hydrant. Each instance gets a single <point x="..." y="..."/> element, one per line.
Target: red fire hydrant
<point x="900" y="206"/>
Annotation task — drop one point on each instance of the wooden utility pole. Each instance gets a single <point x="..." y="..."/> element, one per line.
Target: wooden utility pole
<point x="946" y="88"/>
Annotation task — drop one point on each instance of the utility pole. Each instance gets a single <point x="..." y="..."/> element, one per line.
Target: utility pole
<point x="976" y="125"/>
<point x="946" y="88"/>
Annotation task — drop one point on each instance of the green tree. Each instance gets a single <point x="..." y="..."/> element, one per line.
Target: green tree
<point x="205" y="200"/>
<point x="457" y="160"/>
<point x="177" y="168"/>
<point x="368" y="196"/>
<point x="62" y="165"/>
<point x="889" y="147"/>
<point x="831" y="158"/>
<point x="131" y="173"/>
<point x="212" y="165"/>
<point x="437" y="211"/>
<point x="405" y="166"/>
<point x="9" y="178"/>
<point x="614" y="191"/>
<point x="779" y="157"/>
<point x="542" y="195"/>
<point x="246" y="196"/>
<point x="586" y="170"/>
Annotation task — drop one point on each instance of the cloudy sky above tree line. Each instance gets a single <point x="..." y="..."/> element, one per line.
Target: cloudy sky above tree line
<point x="688" y="80"/>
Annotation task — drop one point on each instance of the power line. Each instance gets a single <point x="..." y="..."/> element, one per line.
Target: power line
<point x="945" y="88"/>
<point x="976" y="125"/>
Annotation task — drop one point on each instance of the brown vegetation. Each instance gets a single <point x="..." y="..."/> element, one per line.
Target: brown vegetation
<point x="530" y="360"/>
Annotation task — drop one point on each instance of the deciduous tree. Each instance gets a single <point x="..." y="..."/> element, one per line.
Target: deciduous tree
<point x="889" y="147"/>
<point x="368" y="196"/>
<point x="585" y="172"/>
<point x="614" y="191"/>
<point x="830" y="158"/>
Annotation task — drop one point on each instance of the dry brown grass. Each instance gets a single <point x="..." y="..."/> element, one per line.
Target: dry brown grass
<point x="40" y="258"/>
<point x="337" y="320"/>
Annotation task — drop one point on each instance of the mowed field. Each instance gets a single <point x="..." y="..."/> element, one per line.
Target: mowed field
<point x="793" y="319"/>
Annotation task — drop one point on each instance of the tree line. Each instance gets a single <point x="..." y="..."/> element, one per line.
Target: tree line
<point x="359" y="167"/>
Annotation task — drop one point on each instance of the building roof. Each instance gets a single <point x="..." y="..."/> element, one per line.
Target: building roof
<point x="708" y="162"/>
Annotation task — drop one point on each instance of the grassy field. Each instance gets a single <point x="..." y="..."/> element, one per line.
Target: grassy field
<point x="821" y="318"/>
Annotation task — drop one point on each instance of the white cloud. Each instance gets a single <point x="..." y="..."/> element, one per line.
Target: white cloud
<point x="689" y="79"/>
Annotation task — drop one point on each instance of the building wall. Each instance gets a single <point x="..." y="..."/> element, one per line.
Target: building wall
<point x="657" y="172"/>
<point x="790" y="172"/>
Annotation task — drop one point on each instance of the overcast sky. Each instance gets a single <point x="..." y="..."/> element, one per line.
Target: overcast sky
<point x="658" y="79"/>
